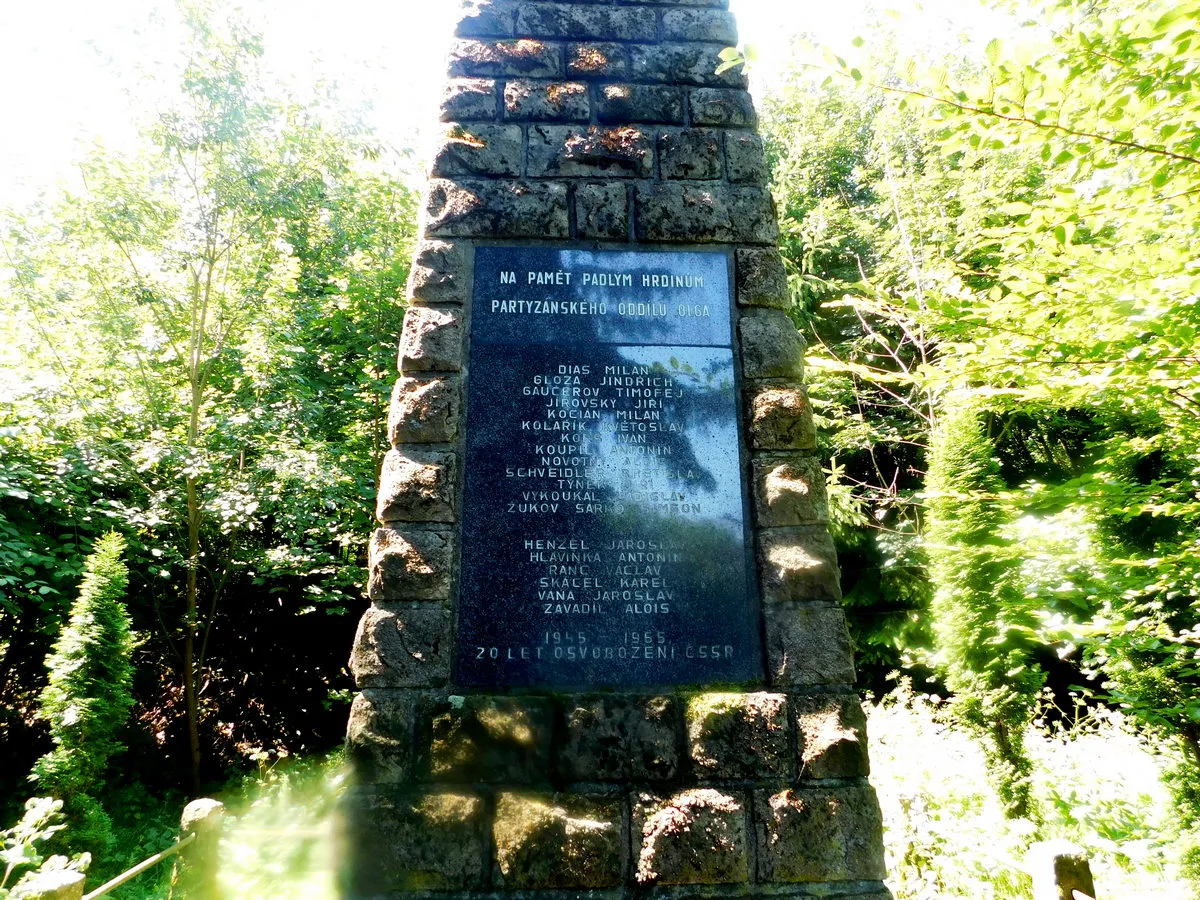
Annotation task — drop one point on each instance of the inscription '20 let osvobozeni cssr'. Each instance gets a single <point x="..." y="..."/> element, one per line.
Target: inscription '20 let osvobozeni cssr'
<point x="604" y="538"/>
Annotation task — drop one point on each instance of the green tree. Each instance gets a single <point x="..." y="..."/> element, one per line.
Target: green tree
<point x="1063" y="297"/>
<point x="985" y="633"/>
<point x="88" y="696"/>
<point x="234" y="293"/>
<point x="1083" y="314"/>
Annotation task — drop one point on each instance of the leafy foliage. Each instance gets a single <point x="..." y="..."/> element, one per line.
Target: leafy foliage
<point x="1023" y="228"/>
<point x="233" y="293"/>
<point x="1097" y="783"/>
<point x="985" y="633"/>
<point x="19" y="845"/>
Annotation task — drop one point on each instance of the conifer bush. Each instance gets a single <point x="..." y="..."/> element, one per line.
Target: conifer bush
<point x="89" y="694"/>
<point x="985" y="632"/>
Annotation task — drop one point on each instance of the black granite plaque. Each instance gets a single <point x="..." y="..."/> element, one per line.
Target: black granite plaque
<point x="604" y="513"/>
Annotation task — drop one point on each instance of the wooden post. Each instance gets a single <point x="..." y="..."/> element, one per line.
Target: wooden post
<point x="1060" y="871"/>
<point x="196" y="868"/>
<point x="60" y="884"/>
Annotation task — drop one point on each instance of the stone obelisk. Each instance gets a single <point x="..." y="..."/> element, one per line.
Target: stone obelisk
<point x="604" y="650"/>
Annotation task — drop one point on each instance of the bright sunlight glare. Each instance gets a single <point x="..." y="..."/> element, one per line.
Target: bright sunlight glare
<point x="78" y="71"/>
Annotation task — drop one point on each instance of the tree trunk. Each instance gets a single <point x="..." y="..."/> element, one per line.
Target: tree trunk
<point x="190" y="630"/>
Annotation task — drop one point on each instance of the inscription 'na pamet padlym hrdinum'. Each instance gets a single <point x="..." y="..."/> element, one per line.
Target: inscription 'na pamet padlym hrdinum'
<point x="604" y="536"/>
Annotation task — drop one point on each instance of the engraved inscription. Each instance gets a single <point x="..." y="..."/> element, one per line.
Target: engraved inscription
<point x="604" y="508"/>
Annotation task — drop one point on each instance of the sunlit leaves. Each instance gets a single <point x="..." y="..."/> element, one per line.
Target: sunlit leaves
<point x="1022" y="228"/>
<point x="246" y="265"/>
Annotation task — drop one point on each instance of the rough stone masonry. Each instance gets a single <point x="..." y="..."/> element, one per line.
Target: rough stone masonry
<point x="602" y="124"/>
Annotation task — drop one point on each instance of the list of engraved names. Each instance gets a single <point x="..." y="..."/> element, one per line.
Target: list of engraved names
<point x="603" y="509"/>
<point x="582" y="409"/>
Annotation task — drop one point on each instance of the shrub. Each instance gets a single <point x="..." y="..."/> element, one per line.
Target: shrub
<point x="983" y="627"/>
<point x="88" y="696"/>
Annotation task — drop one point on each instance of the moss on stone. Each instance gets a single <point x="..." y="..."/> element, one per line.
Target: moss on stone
<point x="737" y="735"/>
<point x="564" y="842"/>
<point x="695" y="837"/>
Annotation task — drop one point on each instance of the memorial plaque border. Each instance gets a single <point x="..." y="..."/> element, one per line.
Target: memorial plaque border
<point x="745" y="467"/>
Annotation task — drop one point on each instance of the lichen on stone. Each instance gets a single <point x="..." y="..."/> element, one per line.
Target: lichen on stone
<point x="622" y="146"/>
<point x="541" y="843"/>
<point x="695" y="837"/>
<point x="590" y="59"/>
<point x="441" y="810"/>
<point x="559" y="93"/>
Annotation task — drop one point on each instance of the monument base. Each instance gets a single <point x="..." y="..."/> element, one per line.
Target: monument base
<point x="714" y="794"/>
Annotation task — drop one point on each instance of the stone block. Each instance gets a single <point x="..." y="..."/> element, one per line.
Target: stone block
<point x="735" y="735"/>
<point x="788" y="491"/>
<point x="712" y="25"/>
<point x="410" y="565"/>
<point x="493" y="150"/>
<point x="640" y="103"/>
<point x="597" y="60"/>
<point x="678" y="212"/>
<point x="502" y="740"/>
<point x="488" y="59"/>
<point x="807" y="645"/>
<point x="819" y="835"/>
<point x="832" y="736"/>
<point x="697" y="836"/>
<point x="431" y="340"/>
<point x="465" y="99"/>
<point x="726" y="108"/>
<point x="575" y="21"/>
<point x="496" y="209"/>
<point x="771" y="345"/>
<point x="546" y="101"/>
<point x="781" y="419"/>
<point x="690" y="153"/>
<point x="744" y="160"/>
<point x="614" y="738"/>
<point x="798" y="564"/>
<point x="565" y="841"/>
<point x="486" y="18"/>
<point x="425" y="410"/>
<point x="379" y="736"/>
<point x="582" y="151"/>
<point x="602" y="212"/>
<point x="709" y="213"/>
<point x="402" y="647"/>
<point x="762" y="279"/>
<point x="417" y="485"/>
<point x="414" y="841"/>
<point x="439" y="273"/>
<point x="682" y="64"/>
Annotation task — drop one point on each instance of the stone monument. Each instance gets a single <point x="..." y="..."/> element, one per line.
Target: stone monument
<point x="605" y="650"/>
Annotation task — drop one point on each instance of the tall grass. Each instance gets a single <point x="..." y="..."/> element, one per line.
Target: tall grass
<point x="1097" y="784"/>
<point x="280" y="836"/>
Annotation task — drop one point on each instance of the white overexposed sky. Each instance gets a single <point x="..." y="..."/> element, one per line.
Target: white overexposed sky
<point x="79" y="70"/>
